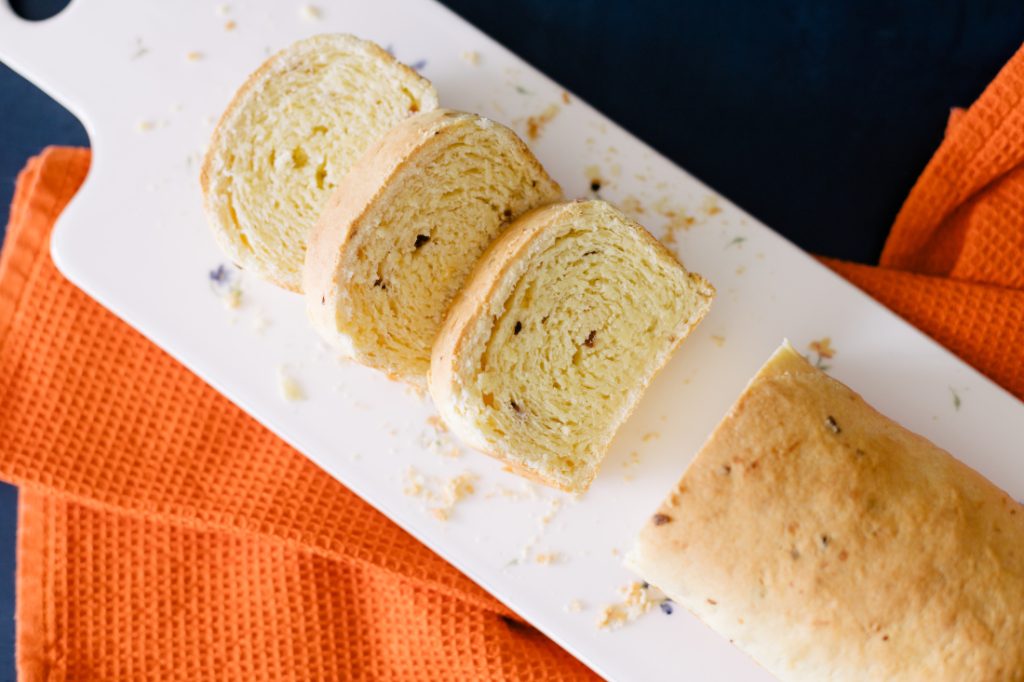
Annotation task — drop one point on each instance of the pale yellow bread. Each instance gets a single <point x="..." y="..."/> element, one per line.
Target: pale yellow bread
<point x="556" y="335"/>
<point x="288" y="137"/>
<point x="402" y="232"/>
<point x="830" y="543"/>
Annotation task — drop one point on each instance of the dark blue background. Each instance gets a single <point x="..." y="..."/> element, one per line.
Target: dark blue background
<point x="814" y="116"/>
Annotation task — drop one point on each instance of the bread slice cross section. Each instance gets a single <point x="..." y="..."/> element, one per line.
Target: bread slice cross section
<point x="288" y="138"/>
<point x="400" y="235"/>
<point x="556" y="335"/>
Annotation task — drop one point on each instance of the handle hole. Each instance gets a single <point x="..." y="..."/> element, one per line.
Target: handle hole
<point x="37" y="10"/>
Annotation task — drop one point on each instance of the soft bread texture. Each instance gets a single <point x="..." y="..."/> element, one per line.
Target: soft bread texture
<point x="398" y="238"/>
<point x="288" y="137"/>
<point x="563" y="324"/>
<point x="830" y="543"/>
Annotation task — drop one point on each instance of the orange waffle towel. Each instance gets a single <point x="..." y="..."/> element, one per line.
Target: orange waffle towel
<point x="165" y="535"/>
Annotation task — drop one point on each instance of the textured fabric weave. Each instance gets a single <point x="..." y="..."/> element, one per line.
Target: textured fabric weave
<point x="165" y="535"/>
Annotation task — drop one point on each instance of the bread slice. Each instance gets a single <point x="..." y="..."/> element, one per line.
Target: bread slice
<point x="561" y="327"/>
<point x="830" y="543"/>
<point x="402" y="232"/>
<point x="288" y="137"/>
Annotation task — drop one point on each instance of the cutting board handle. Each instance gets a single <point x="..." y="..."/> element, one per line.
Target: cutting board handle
<point x="38" y="50"/>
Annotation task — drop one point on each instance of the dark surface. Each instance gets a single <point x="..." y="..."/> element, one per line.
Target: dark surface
<point x="814" y="116"/>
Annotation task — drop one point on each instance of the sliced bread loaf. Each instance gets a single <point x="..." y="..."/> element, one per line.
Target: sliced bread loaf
<point x="554" y="338"/>
<point x="398" y="238"/>
<point x="288" y="137"/>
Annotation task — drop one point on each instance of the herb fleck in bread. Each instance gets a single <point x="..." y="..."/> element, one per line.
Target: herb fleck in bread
<point x="289" y="135"/>
<point x="398" y="238"/>
<point x="563" y="324"/>
<point x="830" y="543"/>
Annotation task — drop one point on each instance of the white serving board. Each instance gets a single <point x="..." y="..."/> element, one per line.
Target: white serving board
<point x="135" y="239"/>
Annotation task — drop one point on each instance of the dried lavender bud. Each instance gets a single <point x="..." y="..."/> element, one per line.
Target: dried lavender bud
<point x="830" y="422"/>
<point x="421" y="239"/>
<point x="589" y="343"/>
<point x="220" y="274"/>
<point x="660" y="519"/>
<point x="519" y="328"/>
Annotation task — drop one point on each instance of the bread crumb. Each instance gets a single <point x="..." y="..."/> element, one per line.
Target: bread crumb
<point x="445" y="499"/>
<point x="288" y="386"/>
<point x="575" y="606"/>
<point x="222" y="9"/>
<point x="410" y="390"/>
<point x="676" y="217"/>
<point x="616" y="551"/>
<point x="471" y="57"/>
<point x="718" y="340"/>
<point x="194" y="56"/>
<point x="632" y="460"/>
<point x="455" y="490"/>
<point x="526" y="492"/>
<point x="310" y="13"/>
<point x="710" y="206"/>
<point x="823" y="347"/>
<point x="741" y="269"/>
<point x="459" y="488"/>
<point x="553" y="507"/>
<point x="413" y="485"/>
<point x="631" y="206"/>
<point x="535" y="124"/>
<point x="824" y="350"/>
<point x="437" y="423"/>
<point x="637" y="599"/>
<point x="565" y="98"/>
<point x="437" y="439"/>
<point x="145" y="126"/>
<point x="548" y="558"/>
<point x="232" y="298"/>
<point x="649" y="436"/>
<point x="230" y="25"/>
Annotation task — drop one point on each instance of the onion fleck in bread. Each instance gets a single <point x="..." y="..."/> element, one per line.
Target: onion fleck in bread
<point x="830" y="543"/>
<point x="561" y="327"/>
<point x="289" y="135"/>
<point x="402" y="232"/>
